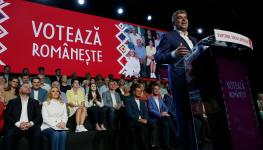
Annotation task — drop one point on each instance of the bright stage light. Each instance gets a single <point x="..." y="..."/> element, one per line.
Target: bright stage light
<point x="81" y="2"/>
<point x="200" y="31"/>
<point x="149" y="18"/>
<point x="120" y="11"/>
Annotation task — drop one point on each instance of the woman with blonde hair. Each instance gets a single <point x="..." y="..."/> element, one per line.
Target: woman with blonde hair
<point x="54" y="113"/>
<point x="132" y="67"/>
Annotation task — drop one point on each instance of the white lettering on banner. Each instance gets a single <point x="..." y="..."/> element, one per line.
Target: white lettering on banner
<point x="66" y="53"/>
<point x="236" y="89"/>
<point x="227" y="36"/>
<point x="49" y="31"/>
<point x="69" y="35"/>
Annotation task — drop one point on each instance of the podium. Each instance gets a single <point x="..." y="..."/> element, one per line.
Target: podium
<point x="222" y="106"/>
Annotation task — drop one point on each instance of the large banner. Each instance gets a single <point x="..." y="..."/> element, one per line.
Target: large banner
<point x="244" y="129"/>
<point x="34" y="35"/>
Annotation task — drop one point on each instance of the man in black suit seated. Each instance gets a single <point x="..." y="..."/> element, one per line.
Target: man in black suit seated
<point x="23" y="119"/>
<point x="138" y="118"/>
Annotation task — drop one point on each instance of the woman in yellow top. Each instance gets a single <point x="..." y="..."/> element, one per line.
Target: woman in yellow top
<point x="76" y="101"/>
<point x="150" y="51"/>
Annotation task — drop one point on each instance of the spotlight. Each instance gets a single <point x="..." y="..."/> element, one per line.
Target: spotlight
<point x="149" y="18"/>
<point x="81" y="2"/>
<point x="120" y="11"/>
<point x="200" y="31"/>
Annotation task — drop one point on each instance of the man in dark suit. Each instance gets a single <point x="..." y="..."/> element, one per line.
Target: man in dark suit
<point x="160" y="118"/>
<point x="138" y="118"/>
<point x="23" y="119"/>
<point x="57" y="76"/>
<point x="37" y="92"/>
<point x="172" y="48"/>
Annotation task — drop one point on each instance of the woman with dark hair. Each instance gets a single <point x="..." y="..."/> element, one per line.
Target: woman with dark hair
<point x="95" y="104"/>
<point x="75" y="101"/>
<point x="12" y="89"/>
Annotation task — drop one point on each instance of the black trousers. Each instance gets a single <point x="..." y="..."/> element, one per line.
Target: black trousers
<point x="13" y="134"/>
<point x="96" y="115"/>
<point x="143" y="134"/>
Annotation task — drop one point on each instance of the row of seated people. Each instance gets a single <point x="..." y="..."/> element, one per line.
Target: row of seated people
<point x="46" y="80"/>
<point x="109" y="103"/>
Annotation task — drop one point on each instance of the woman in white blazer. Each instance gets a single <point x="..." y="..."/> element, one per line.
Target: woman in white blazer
<point x="55" y="118"/>
<point x="132" y="67"/>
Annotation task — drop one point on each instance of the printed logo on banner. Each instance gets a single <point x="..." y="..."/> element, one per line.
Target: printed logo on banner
<point x="3" y="32"/>
<point x="122" y="47"/>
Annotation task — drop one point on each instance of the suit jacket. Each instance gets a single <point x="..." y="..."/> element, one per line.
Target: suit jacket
<point x="169" y="43"/>
<point x="168" y="100"/>
<point x="154" y="113"/>
<point x="134" y="112"/>
<point x="107" y="100"/>
<point x="2" y="106"/>
<point x="42" y="95"/>
<point x="14" y="108"/>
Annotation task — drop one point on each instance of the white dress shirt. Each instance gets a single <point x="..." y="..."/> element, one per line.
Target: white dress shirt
<point x="35" y="94"/>
<point x="114" y="102"/>
<point x="157" y="102"/>
<point x="24" y="115"/>
<point x="187" y="39"/>
<point x="53" y="113"/>
<point x="46" y="86"/>
<point x="138" y="104"/>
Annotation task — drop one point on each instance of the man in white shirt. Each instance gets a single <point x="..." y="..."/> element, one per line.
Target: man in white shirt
<point x="23" y="119"/>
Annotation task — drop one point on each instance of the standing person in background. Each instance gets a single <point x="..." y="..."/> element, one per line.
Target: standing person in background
<point x="150" y="51"/>
<point x="173" y="47"/>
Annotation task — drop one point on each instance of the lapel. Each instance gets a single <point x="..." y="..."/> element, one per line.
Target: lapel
<point x="39" y="94"/>
<point x="19" y="107"/>
<point x="29" y="108"/>
<point x="182" y="40"/>
<point x="153" y="101"/>
<point x="135" y="104"/>
<point x="111" y="101"/>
